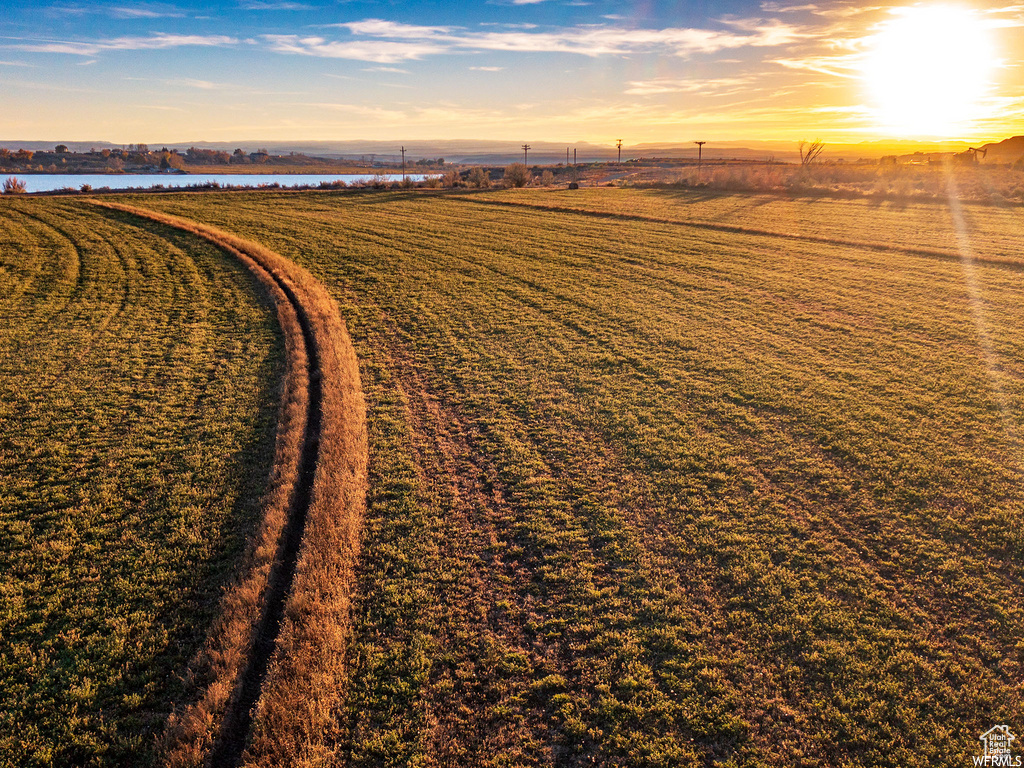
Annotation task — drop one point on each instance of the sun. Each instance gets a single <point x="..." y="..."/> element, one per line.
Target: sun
<point x="927" y="71"/>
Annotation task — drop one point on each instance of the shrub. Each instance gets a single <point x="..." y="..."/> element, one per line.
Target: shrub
<point x="432" y="182"/>
<point x="14" y="186"/>
<point x="479" y="178"/>
<point x="86" y="188"/>
<point x="517" y="175"/>
<point x="547" y="179"/>
<point x="451" y="179"/>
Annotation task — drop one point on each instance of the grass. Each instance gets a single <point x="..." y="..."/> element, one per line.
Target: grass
<point x="288" y="670"/>
<point x="138" y="395"/>
<point x="667" y="478"/>
<point x="997" y="184"/>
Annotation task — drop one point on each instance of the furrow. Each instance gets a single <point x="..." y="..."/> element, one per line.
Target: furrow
<point x="933" y="253"/>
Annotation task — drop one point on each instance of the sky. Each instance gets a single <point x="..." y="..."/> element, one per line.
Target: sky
<point x="560" y="70"/>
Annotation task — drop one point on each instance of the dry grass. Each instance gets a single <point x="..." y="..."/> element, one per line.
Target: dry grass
<point x="647" y="491"/>
<point x="305" y="683"/>
<point x="916" y="182"/>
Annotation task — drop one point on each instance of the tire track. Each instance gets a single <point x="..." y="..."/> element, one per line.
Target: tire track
<point x="932" y="253"/>
<point x="298" y="586"/>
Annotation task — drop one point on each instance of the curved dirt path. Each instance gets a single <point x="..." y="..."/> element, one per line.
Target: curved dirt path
<point x="273" y="668"/>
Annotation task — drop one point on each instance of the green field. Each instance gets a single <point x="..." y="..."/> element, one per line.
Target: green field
<point x="656" y="478"/>
<point x="138" y="396"/>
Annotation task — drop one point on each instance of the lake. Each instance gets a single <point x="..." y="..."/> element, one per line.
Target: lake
<point x="47" y="182"/>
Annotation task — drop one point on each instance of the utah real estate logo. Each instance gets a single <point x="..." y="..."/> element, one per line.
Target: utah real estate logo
<point x="997" y="742"/>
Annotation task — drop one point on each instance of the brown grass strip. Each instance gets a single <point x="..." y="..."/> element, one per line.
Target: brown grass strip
<point x="735" y="229"/>
<point x="322" y="416"/>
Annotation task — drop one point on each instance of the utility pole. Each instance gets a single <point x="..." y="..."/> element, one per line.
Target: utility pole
<point x="403" y="163"/>
<point x="566" y="155"/>
<point x="618" y="144"/>
<point x="574" y="155"/>
<point x="700" y="146"/>
<point x="526" y="154"/>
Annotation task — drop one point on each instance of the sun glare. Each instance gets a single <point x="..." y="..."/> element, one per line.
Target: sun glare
<point x="927" y="71"/>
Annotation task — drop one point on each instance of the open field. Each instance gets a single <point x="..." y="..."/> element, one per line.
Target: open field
<point x="683" y="482"/>
<point x="998" y="183"/>
<point x="139" y="377"/>
<point x="656" y="478"/>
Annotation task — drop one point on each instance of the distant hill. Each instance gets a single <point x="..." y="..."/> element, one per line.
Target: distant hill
<point x="487" y="152"/>
<point x="1005" y="151"/>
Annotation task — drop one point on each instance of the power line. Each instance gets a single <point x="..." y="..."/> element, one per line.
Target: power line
<point x="526" y="154"/>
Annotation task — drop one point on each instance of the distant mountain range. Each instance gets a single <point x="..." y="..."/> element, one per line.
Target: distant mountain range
<point x="483" y="152"/>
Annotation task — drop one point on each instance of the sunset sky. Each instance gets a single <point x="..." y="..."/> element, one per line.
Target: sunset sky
<point x="560" y="70"/>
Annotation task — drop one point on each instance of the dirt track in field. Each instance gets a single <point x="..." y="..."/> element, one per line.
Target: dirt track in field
<point x="270" y="640"/>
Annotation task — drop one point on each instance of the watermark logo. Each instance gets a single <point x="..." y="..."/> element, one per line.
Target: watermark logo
<point x="997" y="742"/>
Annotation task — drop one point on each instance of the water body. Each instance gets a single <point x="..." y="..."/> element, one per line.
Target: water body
<point x="48" y="182"/>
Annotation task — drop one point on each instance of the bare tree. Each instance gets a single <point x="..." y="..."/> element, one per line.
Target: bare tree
<point x="479" y="178"/>
<point x="809" y="151"/>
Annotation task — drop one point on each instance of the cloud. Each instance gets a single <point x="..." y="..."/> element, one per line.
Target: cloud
<point x="124" y="11"/>
<point x="382" y="28"/>
<point x="143" y="12"/>
<point x="716" y="86"/>
<point x="391" y="42"/>
<point x="256" y="5"/>
<point x="847" y="67"/>
<point x="157" y="41"/>
<point x="396" y="70"/>
<point x="377" y="51"/>
<point x="773" y="7"/>
<point x="14" y="64"/>
<point x="487" y="69"/>
<point x="203" y="85"/>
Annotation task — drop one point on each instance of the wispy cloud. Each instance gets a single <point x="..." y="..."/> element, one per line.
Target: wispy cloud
<point x="843" y="66"/>
<point x="717" y="86"/>
<point x="383" y="41"/>
<point x="121" y="11"/>
<point x="203" y="85"/>
<point x="772" y="7"/>
<point x="143" y="12"/>
<point x="507" y="25"/>
<point x="94" y="47"/>
<point x="377" y="51"/>
<point x="14" y="64"/>
<point x="487" y="69"/>
<point x="392" y="29"/>
<point x="257" y="5"/>
<point x="395" y="70"/>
